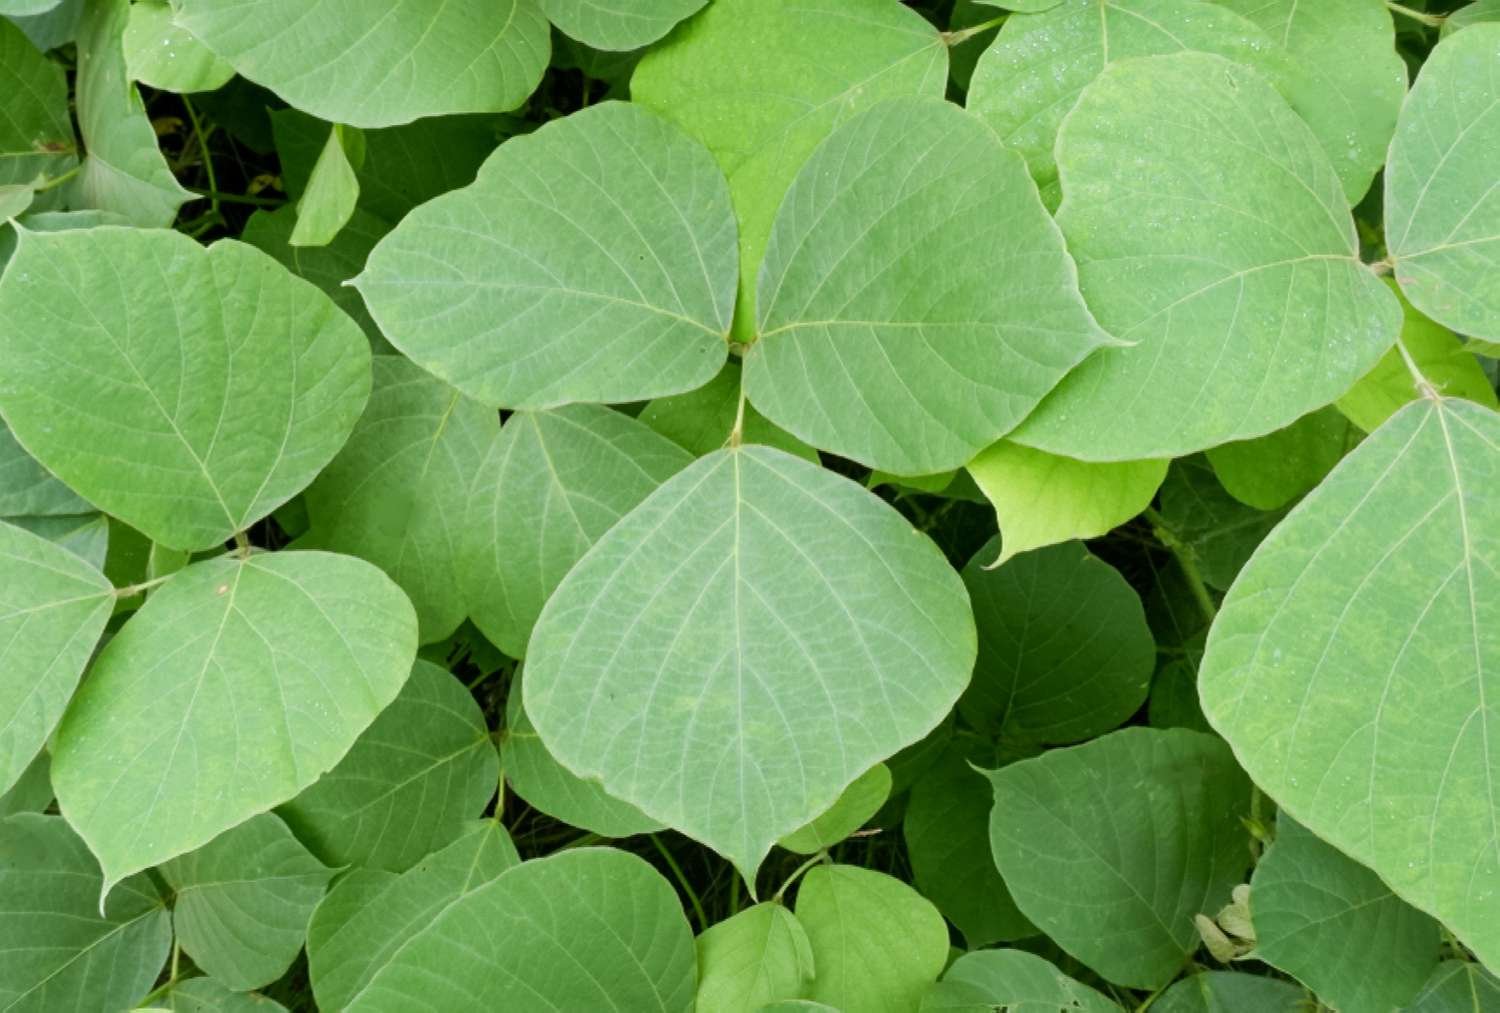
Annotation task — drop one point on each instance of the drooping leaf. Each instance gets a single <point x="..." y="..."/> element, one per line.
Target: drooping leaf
<point x="1309" y="902"/>
<point x="327" y="204"/>
<point x="59" y="947"/>
<point x="409" y="783"/>
<point x="1231" y="992"/>
<point x="618" y="24"/>
<point x="36" y="136"/>
<point x="212" y="372"/>
<point x="375" y="66"/>
<point x="1113" y="846"/>
<point x="702" y="419"/>
<point x="235" y="686"/>
<point x="758" y="956"/>
<point x="207" y="995"/>
<point x="53" y="607"/>
<point x="858" y="351"/>
<point x="768" y="620"/>
<point x="397" y="493"/>
<point x="162" y="54"/>
<point x="1238" y="280"/>
<point x="369" y="917"/>
<point x="1350" y="666"/>
<point x="549" y="485"/>
<point x="609" y="231"/>
<point x="1012" y="980"/>
<point x="876" y="943"/>
<point x="241" y="902"/>
<point x="858" y="802"/>
<point x="588" y="928"/>
<point x="1042" y="499"/>
<point x="1270" y="471"/>
<point x="1457" y="986"/>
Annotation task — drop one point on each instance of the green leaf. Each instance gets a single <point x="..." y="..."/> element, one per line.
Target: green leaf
<point x="36" y="135"/>
<point x="876" y="943"/>
<point x="1231" y="992"/>
<point x="548" y="487"/>
<point x="25" y="8"/>
<point x="758" y="956"/>
<point x="1239" y="283"/>
<point x="53" y="607"/>
<point x="211" y="371"/>
<point x="1457" y="987"/>
<point x="15" y="199"/>
<point x="536" y="776"/>
<point x="858" y="352"/>
<point x="618" y="25"/>
<point x="32" y="791"/>
<point x="397" y="494"/>
<point x="84" y="535"/>
<point x="242" y="901"/>
<point x="1113" y="846"/>
<point x="369" y="917"/>
<point x="28" y="489"/>
<point x="1217" y="531"/>
<point x="1309" y="901"/>
<point x="327" y="204"/>
<point x="771" y="622"/>
<point x="164" y="55"/>
<point x="378" y="66"/>
<point x="234" y="687"/>
<point x="205" y="995"/>
<point x="59" y="947"/>
<point x="610" y="231"/>
<point x="1064" y="650"/>
<point x="409" y="783"/>
<point x="701" y="420"/>
<point x="1270" y="471"/>
<point x="761" y="82"/>
<point x="588" y="928"/>
<point x="1042" y="499"/>
<point x="1349" y="665"/>
<point x="858" y="802"/>
<point x="1013" y="980"/>
<point x="946" y="829"/>
<point x="1478" y="12"/>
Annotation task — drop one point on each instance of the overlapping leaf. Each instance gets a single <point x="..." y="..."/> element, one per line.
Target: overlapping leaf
<point x="617" y="24"/>
<point x="758" y="956"/>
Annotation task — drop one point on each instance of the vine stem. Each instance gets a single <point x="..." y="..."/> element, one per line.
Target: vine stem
<point x="208" y="161"/>
<point x="682" y="881"/>
<point x="1422" y="17"/>
<point x="1425" y="387"/>
<point x="737" y="434"/>
<point x="821" y="856"/>
<point x="59" y="179"/>
<point x="1168" y="538"/>
<point x="958" y="38"/>
<point x="131" y="590"/>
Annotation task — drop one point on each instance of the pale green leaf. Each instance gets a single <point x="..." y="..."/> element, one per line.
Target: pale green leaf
<point x="205" y="995"/>
<point x="858" y="802"/>
<point x="25" y="8"/>
<point x="701" y="420"/>
<point x="1232" y="992"/>
<point x="408" y="784"/>
<point x="1270" y="471"/>
<point x="1113" y="846"/>
<point x="1457" y="986"/>
<point x="397" y="494"/>
<point x="327" y="204"/>
<point x="188" y="396"/>
<point x="241" y="902"/>
<point x="760" y="955"/>
<point x="1309" y="902"/>
<point x="1042" y="499"/>
<point x="858" y="351"/>
<point x="770" y="622"/>
<point x="234" y="687"/>
<point x="369" y="917"/>
<point x="609" y="231"/>
<point x="36" y="135"/>
<point x="15" y="199"/>
<point x="60" y="948"/>
<point x="53" y="607"/>
<point x="379" y="65"/>
<point x="762" y="82"/>
<point x="618" y="25"/>
<point x="584" y="929"/>
<point x="550" y="484"/>
<point x="877" y="944"/>
<point x="162" y="54"/>
<point x="1233" y="268"/>
<point x="1012" y="980"/>
<point x="1351" y="663"/>
<point x="32" y="791"/>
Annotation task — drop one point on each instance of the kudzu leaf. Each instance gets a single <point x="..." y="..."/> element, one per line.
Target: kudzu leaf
<point x="771" y="623"/>
<point x="369" y="917"/>
<point x="32" y="791"/>
<point x="1457" y="986"/>
<point x="36" y="135"/>
<point x="1442" y="209"/>
<point x="617" y="24"/>
<point x="241" y="902"/>
<point x="53" y="607"/>
<point x="1012" y="980"/>
<point x="536" y="776"/>
<point x="859" y="352"/>
<point x="1231" y="992"/>
<point x="53" y="27"/>
<point x="548" y="486"/>
<point x="408" y="784"/>
<point x="609" y="231"/>
<point x="1350" y="664"/>
<point x="28" y="489"/>
<point x="758" y="956"/>
<point x="1478" y="12"/>
<point x="397" y="493"/>
<point x="84" y="535"/>
<point x="234" y="687"/>
<point x="1309" y="902"/>
<point x="588" y="928"/>
<point x="1042" y="499"/>
<point x="797" y="1006"/>
<point x="1233" y="269"/>
<point x="1064" y="650"/>
<point x="25" y="8"/>
<point x="1270" y="471"/>
<point x="327" y="204"/>
<point x="15" y="198"/>
<point x="205" y="995"/>
<point x="1174" y="696"/>
<point x="188" y="396"/>
<point x="1217" y="531"/>
<point x="701" y="420"/>
<point x="1022" y="6"/>
<point x="876" y="943"/>
<point x="858" y="802"/>
<point x="377" y="66"/>
<point x="164" y="55"/>
<point x="59" y="947"/>
<point x="1113" y="846"/>
<point x="761" y="82"/>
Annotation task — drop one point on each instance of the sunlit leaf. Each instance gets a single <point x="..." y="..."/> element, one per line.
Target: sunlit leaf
<point x="162" y="54"/>
<point x="327" y="204"/>
<point x="755" y="957"/>
<point x="854" y="806"/>
<point x="617" y="24"/>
